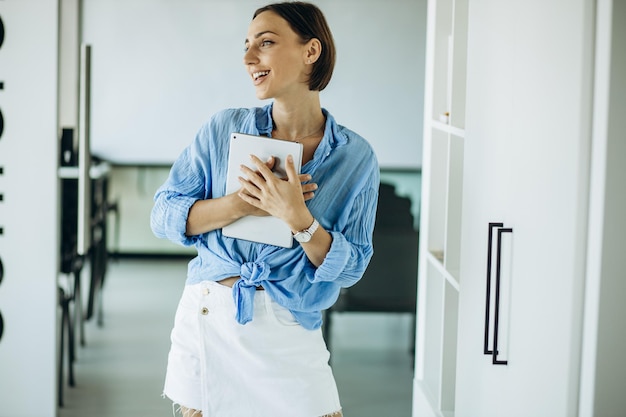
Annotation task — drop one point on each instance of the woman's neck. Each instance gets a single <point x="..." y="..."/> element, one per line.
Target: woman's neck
<point x="298" y="120"/>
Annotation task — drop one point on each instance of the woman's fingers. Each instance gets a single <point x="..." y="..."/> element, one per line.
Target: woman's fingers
<point x="263" y="168"/>
<point x="262" y="175"/>
<point x="308" y="191"/>
<point x="263" y="184"/>
<point x="292" y="174"/>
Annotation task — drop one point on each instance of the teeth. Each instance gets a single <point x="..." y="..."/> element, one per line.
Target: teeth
<point x="256" y="75"/>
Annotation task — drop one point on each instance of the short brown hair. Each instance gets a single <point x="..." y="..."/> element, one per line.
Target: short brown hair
<point x="308" y="21"/>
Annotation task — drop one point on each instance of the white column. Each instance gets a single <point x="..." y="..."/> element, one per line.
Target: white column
<point x="29" y="207"/>
<point x="603" y="369"/>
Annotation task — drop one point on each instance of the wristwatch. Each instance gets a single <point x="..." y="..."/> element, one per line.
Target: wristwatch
<point x="305" y="235"/>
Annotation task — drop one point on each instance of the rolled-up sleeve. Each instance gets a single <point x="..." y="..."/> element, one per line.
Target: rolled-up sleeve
<point x="169" y="217"/>
<point x="186" y="184"/>
<point x="352" y="248"/>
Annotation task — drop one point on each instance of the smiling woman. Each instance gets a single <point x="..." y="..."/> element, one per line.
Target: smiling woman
<point x="280" y="57"/>
<point x="318" y="32"/>
<point x="247" y="339"/>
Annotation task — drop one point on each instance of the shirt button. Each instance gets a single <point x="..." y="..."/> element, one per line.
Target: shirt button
<point x="205" y="291"/>
<point x="204" y="311"/>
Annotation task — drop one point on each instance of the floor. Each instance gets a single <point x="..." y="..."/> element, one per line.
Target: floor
<point x="120" y="370"/>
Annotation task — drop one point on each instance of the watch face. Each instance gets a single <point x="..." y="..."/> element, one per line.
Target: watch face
<point x="302" y="237"/>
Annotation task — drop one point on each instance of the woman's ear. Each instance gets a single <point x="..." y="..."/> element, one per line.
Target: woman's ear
<point x="313" y="51"/>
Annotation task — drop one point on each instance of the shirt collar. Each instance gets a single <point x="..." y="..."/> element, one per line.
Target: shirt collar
<point x="264" y="126"/>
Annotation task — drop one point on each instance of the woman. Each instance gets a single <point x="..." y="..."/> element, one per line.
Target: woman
<point x="247" y="338"/>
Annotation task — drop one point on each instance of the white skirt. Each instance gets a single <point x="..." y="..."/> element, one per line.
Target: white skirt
<point x="269" y="367"/>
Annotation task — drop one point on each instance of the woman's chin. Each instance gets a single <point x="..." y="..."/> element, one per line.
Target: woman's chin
<point x="262" y="96"/>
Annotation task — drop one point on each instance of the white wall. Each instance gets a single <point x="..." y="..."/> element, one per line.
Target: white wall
<point x="162" y="67"/>
<point x="28" y="210"/>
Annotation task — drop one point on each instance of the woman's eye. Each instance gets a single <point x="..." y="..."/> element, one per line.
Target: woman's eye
<point x="263" y="43"/>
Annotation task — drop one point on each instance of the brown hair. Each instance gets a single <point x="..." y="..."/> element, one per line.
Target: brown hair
<point x="308" y="21"/>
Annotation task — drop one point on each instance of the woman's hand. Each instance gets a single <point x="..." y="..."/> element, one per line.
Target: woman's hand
<point x="253" y="210"/>
<point x="215" y="213"/>
<point x="280" y="197"/>
<point x="284" y="198"/>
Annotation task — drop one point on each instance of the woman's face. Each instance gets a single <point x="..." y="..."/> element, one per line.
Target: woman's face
<point x="275" y="58"/>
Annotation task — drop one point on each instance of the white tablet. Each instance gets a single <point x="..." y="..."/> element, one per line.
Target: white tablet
<point x="267" y="229"/>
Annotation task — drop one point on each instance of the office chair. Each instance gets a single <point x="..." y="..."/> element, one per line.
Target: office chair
<point x="390" y="281"/>
<point x="69" y="295"/>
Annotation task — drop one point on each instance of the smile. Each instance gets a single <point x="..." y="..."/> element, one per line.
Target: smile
<point x="259" y="74"/>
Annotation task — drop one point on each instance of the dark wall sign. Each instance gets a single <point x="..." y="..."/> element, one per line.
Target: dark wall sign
<point x="1" y="82"/>
<point x="1" y="173"/>
<point x="1" y="32"/>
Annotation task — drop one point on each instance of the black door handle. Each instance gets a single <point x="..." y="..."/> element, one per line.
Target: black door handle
<point x="486" y="349"/>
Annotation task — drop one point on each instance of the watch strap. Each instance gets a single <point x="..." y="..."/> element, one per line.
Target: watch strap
<point x="313" y="227"/>
<point x="307" y="233"/>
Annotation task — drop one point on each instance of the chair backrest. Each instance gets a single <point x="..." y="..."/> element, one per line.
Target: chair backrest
<point x="394" y="211"/>
<point x="390" y="281"/>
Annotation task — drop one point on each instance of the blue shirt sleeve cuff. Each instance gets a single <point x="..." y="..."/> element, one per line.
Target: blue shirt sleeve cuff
<point x="169" y="220"/>
<point x="344" y="264"/>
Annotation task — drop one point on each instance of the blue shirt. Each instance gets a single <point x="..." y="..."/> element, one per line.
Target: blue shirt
<point x="346" y="171"/>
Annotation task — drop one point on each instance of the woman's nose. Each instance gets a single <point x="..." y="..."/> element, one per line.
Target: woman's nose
<point x="249" y="57"/>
